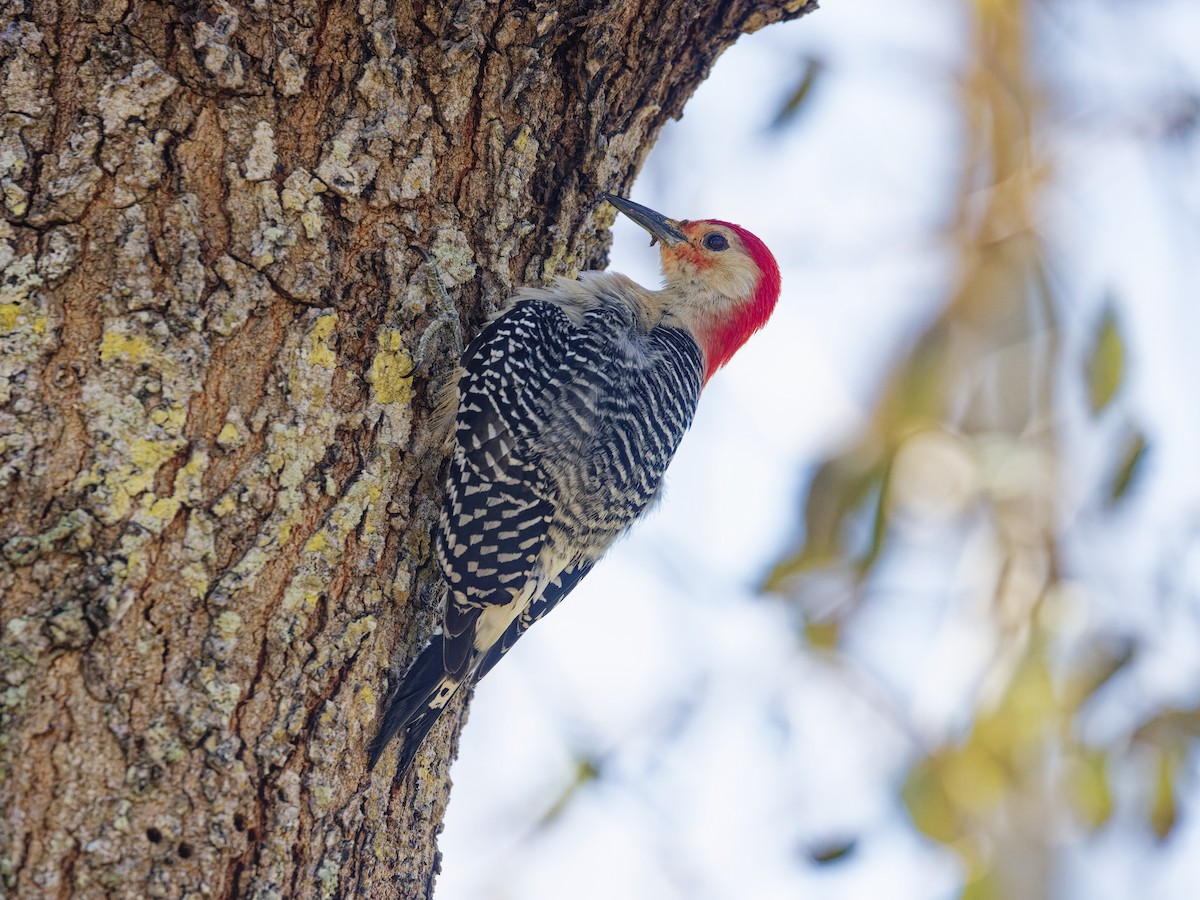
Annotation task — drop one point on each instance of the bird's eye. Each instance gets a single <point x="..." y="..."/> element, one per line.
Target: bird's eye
<point x="715" y="241"/>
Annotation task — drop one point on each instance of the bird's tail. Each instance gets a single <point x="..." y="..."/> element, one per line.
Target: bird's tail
<point x="415" y="706"/>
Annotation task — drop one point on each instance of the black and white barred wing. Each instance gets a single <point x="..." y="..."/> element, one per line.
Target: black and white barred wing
<point x="499" y="502"/>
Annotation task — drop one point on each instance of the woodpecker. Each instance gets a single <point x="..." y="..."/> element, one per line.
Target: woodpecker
<point x="562" y="417"/>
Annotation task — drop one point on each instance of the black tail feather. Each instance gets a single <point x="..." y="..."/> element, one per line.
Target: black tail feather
<point x="411" y="712"/>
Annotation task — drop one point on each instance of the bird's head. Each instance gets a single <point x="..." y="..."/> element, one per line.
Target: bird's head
<point x="722" y="281"/>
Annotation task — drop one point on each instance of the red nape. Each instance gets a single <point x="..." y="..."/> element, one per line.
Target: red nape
<point x="727" y="337"/>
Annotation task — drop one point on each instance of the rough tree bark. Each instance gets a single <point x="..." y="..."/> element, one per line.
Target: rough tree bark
<point x="216" y="481"/>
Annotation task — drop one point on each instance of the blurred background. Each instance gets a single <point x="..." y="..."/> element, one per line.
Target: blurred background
<point x="920" y="614"/>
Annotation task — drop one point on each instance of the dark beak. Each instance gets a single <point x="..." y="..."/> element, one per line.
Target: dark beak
<point x="659" y="226"/>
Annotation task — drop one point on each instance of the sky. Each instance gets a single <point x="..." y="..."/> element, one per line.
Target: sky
<point x="729" y="755"/>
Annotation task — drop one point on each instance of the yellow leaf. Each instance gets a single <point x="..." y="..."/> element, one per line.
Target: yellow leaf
<point x="982" y="886"/>
<point x="1163" y="809"/>
<point x="1105" y="363"/>
<point x="928" y="804"/>
<point x="974" y="779"/>
<point x="1089" y="790"/>
<point x="1132" y="455"/>
<point x="823" y="635"/>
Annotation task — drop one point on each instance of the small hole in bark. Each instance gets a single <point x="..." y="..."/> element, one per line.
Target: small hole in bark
<point x="239" y="821"/>
<point x="185" y="852"/>
<point x="252" y="835"/>
<point x="153" y="835"/>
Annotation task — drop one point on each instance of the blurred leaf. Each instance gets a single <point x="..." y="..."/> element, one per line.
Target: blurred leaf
<point x="831" y="851"/>
<point x="789" y="113"/>
<point x="928" y="804"/>
<point x="974" y="778"/>
<point x="879" y="522"/>
<point x="1089" y="789"/>
<point x="822" y="634"/>
<point x="1019" y="722"/>
<point x="982" y="886"/>
<point x="840" y="489"/>
<point x="1132" y="455"/>
<point x="916" y="396"/>
<point x="1105" y="363"/>
<point x="1163" y="809"/>
<point x="844" y="485"/>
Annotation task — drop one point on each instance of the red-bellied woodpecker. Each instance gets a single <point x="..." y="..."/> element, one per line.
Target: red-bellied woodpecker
<point x="566" y="410"/>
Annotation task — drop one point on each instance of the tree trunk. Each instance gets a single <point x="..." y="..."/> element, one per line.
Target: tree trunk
<point x="217" y="481"/>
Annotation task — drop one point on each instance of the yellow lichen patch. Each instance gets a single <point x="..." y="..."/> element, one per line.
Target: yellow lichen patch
<point x="366" y="697"/>
<point x="318" y="543"/>
<point x="391" y="370"/>
<point x="194" y="576"/>
<point x="188" y="479"/>
<point x="319" y="353"/>
<point x="176" y="418"/>
<point x="149" y="455"/>
<point x="124" y="347"/>
<point x="15" y="199"/>
<point x="193" y="468"/>
<point x="553" y="264"/>
<point x="309" y="377"/>
<point x="225" y="505"/>
<point x="348" y="513"/>
<point x="160" y="510"/>
<point x="301" y="602"/>
<point x="291" y="501"/>
<point x="118" y="486"/>
<point x="9" y="313"/>
<point x="522" y="138"/>
<point x="371" y="523"/>
<point x="228" y="435"/>
<point x="153" y="513"/>
<point x="11" y="320"/>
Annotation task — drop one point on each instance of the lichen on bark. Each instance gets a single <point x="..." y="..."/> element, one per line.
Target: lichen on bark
<point x="217" y="477"/>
